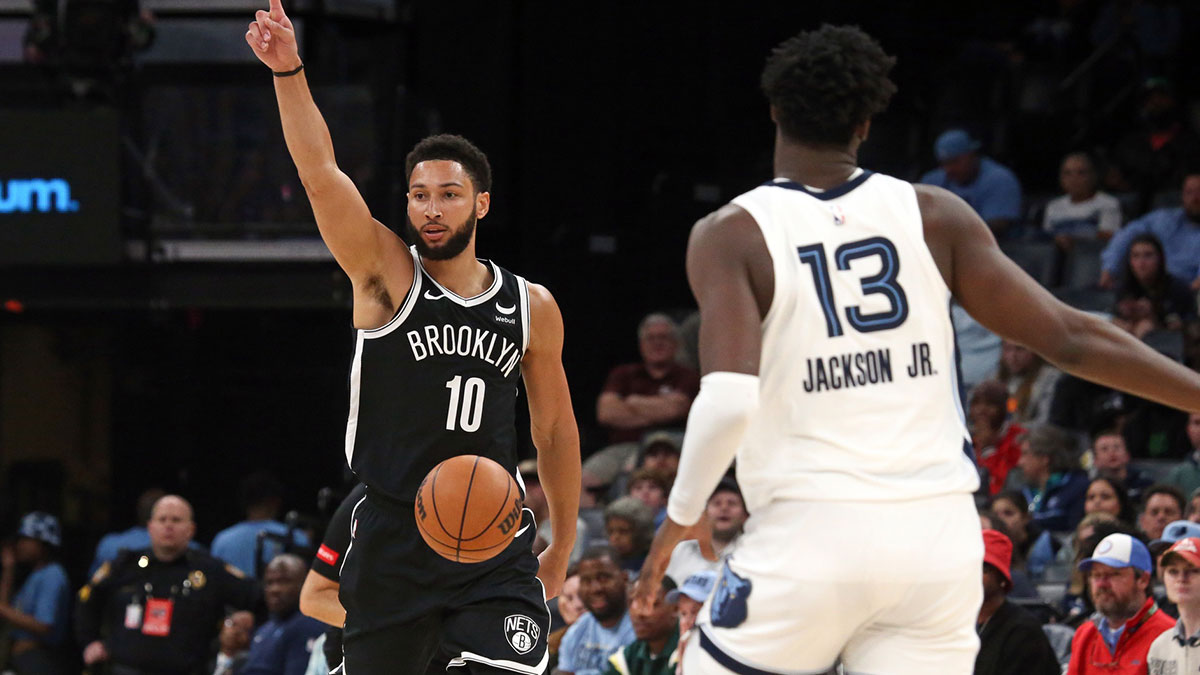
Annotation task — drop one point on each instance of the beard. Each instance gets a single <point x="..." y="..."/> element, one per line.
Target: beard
<point x="455" y="243"/>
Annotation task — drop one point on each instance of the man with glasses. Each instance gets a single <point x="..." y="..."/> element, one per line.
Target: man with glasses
<point x="1118" y="636"/>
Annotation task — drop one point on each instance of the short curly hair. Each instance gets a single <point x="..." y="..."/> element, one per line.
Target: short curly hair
<point x="823" y="83"/>
<point x="453" y="148"/>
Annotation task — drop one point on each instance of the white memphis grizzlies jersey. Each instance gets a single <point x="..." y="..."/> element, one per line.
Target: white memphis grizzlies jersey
<point x="858" y="377"/>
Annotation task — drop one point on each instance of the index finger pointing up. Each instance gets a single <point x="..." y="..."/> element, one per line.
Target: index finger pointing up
<point x="277" y="10"/>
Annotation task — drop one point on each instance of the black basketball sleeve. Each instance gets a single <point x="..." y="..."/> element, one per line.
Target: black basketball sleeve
<point x="328" y="561"/>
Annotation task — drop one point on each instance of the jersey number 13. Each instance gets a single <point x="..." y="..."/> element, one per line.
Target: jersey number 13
<point x="884" y="283"/>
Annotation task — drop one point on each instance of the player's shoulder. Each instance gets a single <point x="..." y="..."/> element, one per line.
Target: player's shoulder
<point x="724" y="231"/>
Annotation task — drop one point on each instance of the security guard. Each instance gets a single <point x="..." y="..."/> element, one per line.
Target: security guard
<point x="156" y="611"/>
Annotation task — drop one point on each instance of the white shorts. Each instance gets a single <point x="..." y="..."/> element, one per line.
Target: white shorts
<point x="882" y="587"/>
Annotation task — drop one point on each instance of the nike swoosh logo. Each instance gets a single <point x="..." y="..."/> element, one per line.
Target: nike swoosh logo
<point x="430" y="296"/>
<point x="505" y="310"/>
<point x="520" y="531"/>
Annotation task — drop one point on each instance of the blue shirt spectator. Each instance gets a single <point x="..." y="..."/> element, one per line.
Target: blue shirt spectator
<point x="45" y="596"/>
<point x="135" y="538"/>
<point x="586" y="646"/>
<point x="283" y="645"/>
<point x="38" y="613"/>
<point x="989" y="187"/>
<point x="236" y="545"/>
<point x="1179" y="233"/>
<point x="262" y="498"/>
<point x="111" y="544"/>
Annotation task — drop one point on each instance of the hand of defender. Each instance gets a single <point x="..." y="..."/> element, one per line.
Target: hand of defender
<point x="649" y="580"/>
<point x="273" y="40"/>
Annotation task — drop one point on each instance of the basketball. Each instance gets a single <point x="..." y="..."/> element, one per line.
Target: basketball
<point x="468" y="509"/>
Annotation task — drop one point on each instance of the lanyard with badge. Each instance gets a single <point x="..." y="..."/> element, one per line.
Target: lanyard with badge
<point x="153" y="616"/>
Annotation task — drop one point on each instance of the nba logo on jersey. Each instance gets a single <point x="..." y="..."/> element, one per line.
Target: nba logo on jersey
<point x="839" y="216"/>
<point x="522" y="632"/>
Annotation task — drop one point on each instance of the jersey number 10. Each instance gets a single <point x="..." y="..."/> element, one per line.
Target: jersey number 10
<point x="883" y="283"/>
<point x="470" y="414"/>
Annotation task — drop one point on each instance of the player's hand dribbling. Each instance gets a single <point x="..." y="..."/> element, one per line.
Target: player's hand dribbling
<point x="649" y="580"/>
<point x="552" y="569"/>
<point x="273" y="39"/>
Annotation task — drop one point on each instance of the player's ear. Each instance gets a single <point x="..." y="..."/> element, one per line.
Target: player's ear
<point x="863" y="130"/>
<point x="483" y="202"/>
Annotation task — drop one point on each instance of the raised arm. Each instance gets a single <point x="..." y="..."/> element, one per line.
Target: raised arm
<point x="1011" y="304"/>
<point x="372" y="256"/>
<point x="555" y="434"/>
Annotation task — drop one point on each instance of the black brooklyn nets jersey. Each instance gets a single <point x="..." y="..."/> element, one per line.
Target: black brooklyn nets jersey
<point x="439" y="380"/>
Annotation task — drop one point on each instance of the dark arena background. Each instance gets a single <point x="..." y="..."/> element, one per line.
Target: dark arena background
<point x="171" y="317"/>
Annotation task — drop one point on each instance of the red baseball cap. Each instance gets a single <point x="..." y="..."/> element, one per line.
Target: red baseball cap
<point x="997" y="552"/>
<point x="1188" y="549"/>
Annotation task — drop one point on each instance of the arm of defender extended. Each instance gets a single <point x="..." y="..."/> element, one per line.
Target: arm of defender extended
<point x="555" y="433"/>
<point x="319" y="600"/>
<point x="358" y="242"/>
<point x="1011" y="304"/>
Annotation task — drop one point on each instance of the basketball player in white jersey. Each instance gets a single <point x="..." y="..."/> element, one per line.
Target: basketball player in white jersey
<point x="829" y="371"/>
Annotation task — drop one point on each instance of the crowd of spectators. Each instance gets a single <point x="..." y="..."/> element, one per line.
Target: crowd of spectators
<point x="156" y="600"/>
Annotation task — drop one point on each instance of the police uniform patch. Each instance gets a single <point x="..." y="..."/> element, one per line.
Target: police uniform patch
<point x="198" y="579"/>
<point x="101" y="573"/>
<point x="522" y="632"/>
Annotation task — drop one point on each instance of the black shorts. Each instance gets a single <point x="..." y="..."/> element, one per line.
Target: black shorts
<point x="408" y="609"/>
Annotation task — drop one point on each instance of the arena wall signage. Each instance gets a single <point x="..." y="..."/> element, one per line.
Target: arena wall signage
<point x="60" y="187"/>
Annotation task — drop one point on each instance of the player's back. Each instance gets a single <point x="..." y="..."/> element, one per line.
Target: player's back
<point x="858" y="376"/>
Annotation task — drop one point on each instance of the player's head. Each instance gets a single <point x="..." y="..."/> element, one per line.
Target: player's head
<point x="448" y="183"/>
<point x="602" y="583"/>
<point x="825" y="85"/>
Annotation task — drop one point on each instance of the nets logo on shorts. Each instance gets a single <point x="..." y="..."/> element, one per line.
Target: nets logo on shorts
<point x="522" y="632"/>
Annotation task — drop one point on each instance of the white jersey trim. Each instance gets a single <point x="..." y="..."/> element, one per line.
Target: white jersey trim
<point x="523" y="291"/>
<point x="355" y="386"/>
<point x="497" y="283"/>
<point x="353" y="520"/>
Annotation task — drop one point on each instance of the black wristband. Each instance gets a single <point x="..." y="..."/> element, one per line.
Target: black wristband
<point x="288" y="73"/>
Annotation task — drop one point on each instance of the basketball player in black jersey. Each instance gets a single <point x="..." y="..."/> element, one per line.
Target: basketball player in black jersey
<point x="442" y="340"/>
